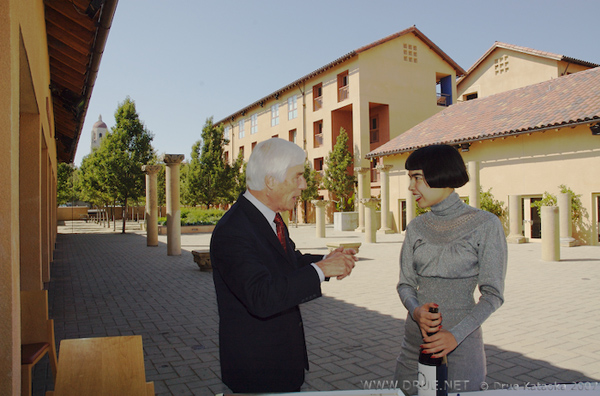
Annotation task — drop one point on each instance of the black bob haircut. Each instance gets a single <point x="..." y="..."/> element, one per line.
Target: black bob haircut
<point x="441" y="164"/>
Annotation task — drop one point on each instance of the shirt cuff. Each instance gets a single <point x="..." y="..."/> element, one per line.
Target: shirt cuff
<point x="319" y="272"/>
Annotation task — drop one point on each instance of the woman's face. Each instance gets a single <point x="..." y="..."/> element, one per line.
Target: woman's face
<point x="425" y="195"/>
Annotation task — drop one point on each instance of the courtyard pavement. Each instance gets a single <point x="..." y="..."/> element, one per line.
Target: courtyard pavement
<point x="105" y="283"/>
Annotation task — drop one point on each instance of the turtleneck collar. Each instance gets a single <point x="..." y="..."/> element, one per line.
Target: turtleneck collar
<point x="448" y="206"/>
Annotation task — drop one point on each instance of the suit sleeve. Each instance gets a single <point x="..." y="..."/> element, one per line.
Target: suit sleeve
<point x="258" y="275"/>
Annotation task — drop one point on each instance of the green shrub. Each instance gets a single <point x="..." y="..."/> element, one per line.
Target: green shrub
<point x="196" y="216"/>
<point x="577" y="209"/>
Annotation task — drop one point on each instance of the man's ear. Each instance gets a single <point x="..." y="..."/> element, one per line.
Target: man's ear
<point x="269" y="182"/>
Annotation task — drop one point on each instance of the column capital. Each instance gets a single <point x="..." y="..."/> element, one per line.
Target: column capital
<point x="361" y="169"/>
<point x="384" y="168"/>
<point x="171" y="159"/>
<point x="151" y="169"/>
<point x="319" y="203"/>
<point x="370" y="202"/>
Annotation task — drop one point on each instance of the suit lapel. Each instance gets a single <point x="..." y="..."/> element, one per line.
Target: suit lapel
<point x="263" y="226"/>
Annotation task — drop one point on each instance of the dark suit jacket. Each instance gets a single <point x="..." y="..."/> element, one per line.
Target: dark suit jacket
<point x="259" y="287"/>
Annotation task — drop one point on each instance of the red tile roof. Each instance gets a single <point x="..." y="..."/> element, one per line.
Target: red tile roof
<point x="564" y="101"/>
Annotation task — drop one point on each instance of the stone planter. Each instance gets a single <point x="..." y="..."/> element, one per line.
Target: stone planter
<point x="345" y="221"/>
<point x="202" y="258"/>
<point x="162" y="230"/>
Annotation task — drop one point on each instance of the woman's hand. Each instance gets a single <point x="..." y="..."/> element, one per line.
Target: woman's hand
<point x="428" y="322"/>
<point x="440" y="344"/>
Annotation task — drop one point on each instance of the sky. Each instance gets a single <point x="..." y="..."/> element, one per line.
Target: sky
<point x="183" y="61"/>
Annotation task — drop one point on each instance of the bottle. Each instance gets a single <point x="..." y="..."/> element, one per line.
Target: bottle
<point x="433" y="372"/>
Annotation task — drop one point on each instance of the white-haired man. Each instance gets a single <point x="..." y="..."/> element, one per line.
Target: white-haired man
<point x="260" y="278"/>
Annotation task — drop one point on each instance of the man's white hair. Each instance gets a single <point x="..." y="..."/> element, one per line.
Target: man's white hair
<point x="272" y="157"/>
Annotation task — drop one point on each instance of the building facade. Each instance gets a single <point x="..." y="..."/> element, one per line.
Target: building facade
<point x="521" y="143"/>
<point x="504" y="67"/>
<point x="374" y="93"/>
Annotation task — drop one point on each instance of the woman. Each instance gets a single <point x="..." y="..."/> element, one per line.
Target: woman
<point x="446" y="253"/>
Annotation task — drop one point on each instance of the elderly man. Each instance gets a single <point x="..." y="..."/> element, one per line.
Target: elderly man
<point x="260" y="278"/>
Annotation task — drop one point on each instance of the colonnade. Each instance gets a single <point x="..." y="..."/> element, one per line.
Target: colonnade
<point x="556" y="221"/>
<point x="173" y="162"/>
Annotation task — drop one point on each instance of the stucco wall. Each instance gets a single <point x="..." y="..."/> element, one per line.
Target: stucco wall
<point x="528" y="165"/>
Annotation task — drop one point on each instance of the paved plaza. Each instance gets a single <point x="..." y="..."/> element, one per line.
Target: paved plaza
<point x="105" y="283"/>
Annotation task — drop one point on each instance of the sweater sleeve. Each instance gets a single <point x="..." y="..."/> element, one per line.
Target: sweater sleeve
<point x="492" y="256"/>
<point x="407" y="286"/>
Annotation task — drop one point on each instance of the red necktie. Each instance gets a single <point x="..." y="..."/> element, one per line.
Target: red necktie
<point x="280" y="231"/>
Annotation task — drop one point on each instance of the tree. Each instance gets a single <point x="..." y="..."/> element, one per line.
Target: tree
<point x="338" y="180"/>
<point x="66" y="186"/>
<point x="114" y="172"/>
<point x="313" y="182"/>
<point x="209" y="178"/>
<point x="548" y="199"/>
<point x="238" y="177"/>
<point x="92" y="187"/>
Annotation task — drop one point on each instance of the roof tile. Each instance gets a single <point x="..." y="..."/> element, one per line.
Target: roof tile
<point x="562" y="101"/>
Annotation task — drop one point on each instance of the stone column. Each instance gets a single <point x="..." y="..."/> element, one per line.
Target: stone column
<point x="151" y="217"/>
<point x="550" y="234"/>
<point x="515" y="219"/>
<point x="320" y="206"/>
<point x="565" y="221"/>
<point x="173" y="162"/>
<point x="474" y="184"/>
<point x="361" y="174"/>
<point x="370" y="221"/>
<point x="384" y="172"/>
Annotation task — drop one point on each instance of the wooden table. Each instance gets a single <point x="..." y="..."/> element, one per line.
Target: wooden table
<point x="101" y="366"/>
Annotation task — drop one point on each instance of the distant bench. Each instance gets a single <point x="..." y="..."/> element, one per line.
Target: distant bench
<point x="202" y="258"/>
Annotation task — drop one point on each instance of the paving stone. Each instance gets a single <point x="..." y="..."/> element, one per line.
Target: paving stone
<point x="105" y="283"/>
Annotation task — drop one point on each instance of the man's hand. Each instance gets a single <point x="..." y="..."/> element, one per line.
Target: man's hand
<point x="338" y="263"/>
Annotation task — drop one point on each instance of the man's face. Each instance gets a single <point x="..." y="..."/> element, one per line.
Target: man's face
<point x="285" y="194"/>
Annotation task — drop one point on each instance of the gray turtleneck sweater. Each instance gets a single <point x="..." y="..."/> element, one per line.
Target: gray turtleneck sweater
<point x="446" y="253"/>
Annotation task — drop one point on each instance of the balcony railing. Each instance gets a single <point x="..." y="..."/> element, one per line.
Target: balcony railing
<point x="318" y="103"/>
<point x="318" y="139"/>
<point x="343" y="93"/>
<point x="443" y="99"/>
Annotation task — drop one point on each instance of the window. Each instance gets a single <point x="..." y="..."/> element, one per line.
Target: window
<point x="292" y="107"/>
<point x="226" y="157"/>
<point x="227" y="132"/>
<point x="343" y="89"/>
<point x="374" y="129"/>
<point x="410" y="53"/>
<point x="470" y="96"/>
<point x="253" y="124"/>
<point x="241" y="132"/>
<point x="292" y="137"/>
<point x="318" y="131"/>
<point x="501" y="65"/>
<point x="443" y="90"/>
<point x="319" y="164"/>
<point x="253" y="145"/>
<point x="275" y="115"/>
<point x="241" y="151"/>
<point x="317" y="96"/>
<point x="374" y="171"/>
